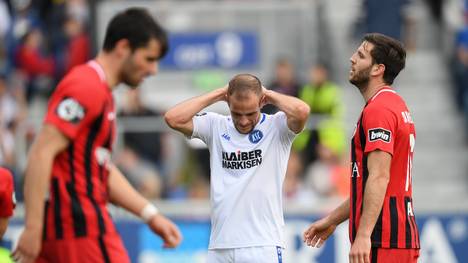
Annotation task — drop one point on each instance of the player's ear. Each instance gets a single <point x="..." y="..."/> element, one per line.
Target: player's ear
<point x="122" y="47"/>
<point x="378" y="69"/>
<point x="262" y="101"/>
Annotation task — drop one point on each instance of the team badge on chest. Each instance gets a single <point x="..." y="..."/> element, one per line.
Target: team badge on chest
<point x="255" y="136"/>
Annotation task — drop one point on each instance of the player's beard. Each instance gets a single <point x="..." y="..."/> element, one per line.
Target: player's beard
<point x="128" y="74"/>
<point x="360" y="79"/>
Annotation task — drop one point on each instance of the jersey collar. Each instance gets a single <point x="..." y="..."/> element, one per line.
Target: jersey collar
<point x="382" y="90"/>
<point x="99" y="70"/>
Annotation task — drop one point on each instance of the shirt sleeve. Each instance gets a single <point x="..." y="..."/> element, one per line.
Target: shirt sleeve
<point x="7" y="194"/>
<point x="281" y="122"/>
<point x="203" y="124"/>
<point x="380" y="127"/>
<point x="71" y="108"/>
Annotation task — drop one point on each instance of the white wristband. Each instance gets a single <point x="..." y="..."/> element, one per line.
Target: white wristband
<point x="148" y="212"/>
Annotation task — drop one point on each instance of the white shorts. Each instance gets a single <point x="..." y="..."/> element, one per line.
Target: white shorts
<point x="267" y="254"/>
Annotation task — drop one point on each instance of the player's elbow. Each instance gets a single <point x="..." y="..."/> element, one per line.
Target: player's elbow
<point x="303" y="111"/>
<point x="172" y="120"/>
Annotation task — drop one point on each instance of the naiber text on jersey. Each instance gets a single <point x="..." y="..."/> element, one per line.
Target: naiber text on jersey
<point x="242" y="160"/>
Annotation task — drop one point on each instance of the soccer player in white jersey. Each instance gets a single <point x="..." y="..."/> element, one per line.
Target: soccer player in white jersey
<point x="249" y="152"/>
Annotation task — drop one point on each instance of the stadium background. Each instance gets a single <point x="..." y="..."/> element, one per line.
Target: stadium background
<point x="210" y="42"/>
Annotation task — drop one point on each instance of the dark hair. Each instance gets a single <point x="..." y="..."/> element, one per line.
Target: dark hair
<point x="138" y="27"/>
<point x="244" y="82"/>
<point x="389" y="52"/>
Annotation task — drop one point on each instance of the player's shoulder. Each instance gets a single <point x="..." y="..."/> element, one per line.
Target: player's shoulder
<point x="388" y="100"/>
<point x="210" y="115"/>
<point x="6" y="177"/>
<point x="83" y="81"/>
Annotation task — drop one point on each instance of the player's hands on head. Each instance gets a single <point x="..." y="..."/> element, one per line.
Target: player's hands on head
<point x="29" y="246"/>
<point x="223" y="93"/>
<point x="264" y="100"/>
<point x="166" y="229"/>
<point x="318" y="232"/>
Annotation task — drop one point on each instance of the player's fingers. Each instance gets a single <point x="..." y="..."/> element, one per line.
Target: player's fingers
<point x="366" y="258"/>
<point x="320" y="243"/>
<point x="16" y="256"/>
<point x="177" y="233"/>
<point x="172" y="238"/>
<point x="309" y="233"/>
<point x="315" y="240"/>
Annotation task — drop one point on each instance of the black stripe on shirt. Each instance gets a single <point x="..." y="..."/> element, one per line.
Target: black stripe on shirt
<point x="88" y="155"/>
<point x="376" y="236"/>
<point x="374" y="255"/>
<point x="393" y="222"/>
<point x="44" y="228"/>
<point x="79" y="220"/>
<point x="365" y="171"/>
<point x="57" y="209"/>
<point x="103" y="249"/>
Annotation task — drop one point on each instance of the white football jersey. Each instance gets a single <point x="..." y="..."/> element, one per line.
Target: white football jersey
<point x="247" y="174"/>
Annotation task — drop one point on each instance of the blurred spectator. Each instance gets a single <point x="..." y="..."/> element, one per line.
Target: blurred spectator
<point x="78" y="47"/>
<point x="390" y="18"/>
<point x="435" y="6"/>
<point x="294" y="189"/>
<point x="78" y="10"/>
<point x="39" y="70"/>
<point x="8" y="121"/>
<point x="5" y="19"/>
<point x="285" y="82"/>
<point x="326" y="109"/>
<point x="23" y="18"/>
<point x="141" y="157"/>
<point x="461" y="69"/>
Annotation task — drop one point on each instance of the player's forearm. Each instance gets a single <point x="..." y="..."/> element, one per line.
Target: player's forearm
<point x="3" y="225"/>
<point x="185" y="111"/>
<point x="122" y="194"/>
<point x="374" y="196"/>
<point x="36" y="183"/>
<point x="295" y="109"/>
<point x="340" y="214"/>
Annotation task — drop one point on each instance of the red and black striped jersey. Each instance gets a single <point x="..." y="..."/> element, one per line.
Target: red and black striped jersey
<point x="7" y="193"/>
<point x="385" y="124"/>
<point x="82" y="108"/>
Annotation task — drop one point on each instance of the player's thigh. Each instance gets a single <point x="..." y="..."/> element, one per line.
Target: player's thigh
<point x="220" y="256"/>
<point x="388" y="255"/>
<point x="108" y="248"/>
<point x="265" y="254"/>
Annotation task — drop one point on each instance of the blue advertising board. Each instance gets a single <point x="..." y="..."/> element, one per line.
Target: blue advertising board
<point x="227" y="50"/>
<point x="444" y="238"/>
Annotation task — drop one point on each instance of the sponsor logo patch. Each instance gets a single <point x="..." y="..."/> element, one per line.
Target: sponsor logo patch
<point x="70" y="110"/>
<point x="226" y="136"/>
<point x="380" y="134"/>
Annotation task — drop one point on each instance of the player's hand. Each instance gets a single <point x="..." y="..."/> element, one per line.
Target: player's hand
<point x="29" y="246"/>
<point x="318" y="232"/>
<point x="264" y="101"/>
<point x="223" y="92"/>
<point x="360" y="250"/>
<point x="166" y="229"/>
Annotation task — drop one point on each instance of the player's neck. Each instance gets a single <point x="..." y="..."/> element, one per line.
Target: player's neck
<point x="372" y="88"/>
<point x="111" y="68"/>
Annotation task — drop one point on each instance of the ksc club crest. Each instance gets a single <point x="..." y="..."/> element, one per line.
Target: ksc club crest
<point x="255" y="136"/>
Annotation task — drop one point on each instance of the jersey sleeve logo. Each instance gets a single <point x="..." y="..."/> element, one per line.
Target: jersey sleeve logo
<point x="70" y="110"/>
<point x="380" y="134"/>
<point x="200" y="114"/>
